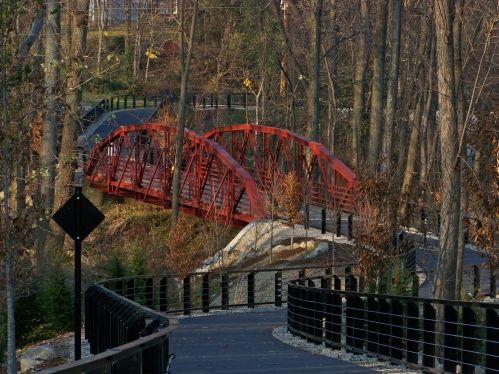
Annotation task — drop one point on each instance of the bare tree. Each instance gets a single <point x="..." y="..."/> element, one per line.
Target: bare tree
<point x="185" y="61"/>
<point x="359" y="84"/>
<point x="450" y="189"/>
<point x="78" y="10"/>
<point x="378" y="86"/>
<point x="50" y="128"/>
<point x="10" y="69"/>
<point x="392" y="84"/>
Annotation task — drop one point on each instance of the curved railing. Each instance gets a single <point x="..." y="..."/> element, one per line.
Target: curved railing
<point x="126" y="322"/>
<point x="432" y="335"/>
<point x="124" y="336"/>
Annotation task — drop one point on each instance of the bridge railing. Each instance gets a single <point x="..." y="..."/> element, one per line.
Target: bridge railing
<point x="216" y="290"/>
<point x="432" y="335"/>
<point x="124" y="336"/>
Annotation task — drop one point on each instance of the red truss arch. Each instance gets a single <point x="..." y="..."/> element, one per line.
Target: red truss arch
<point x="266" y="152"/>
<point x="138" y="161"/>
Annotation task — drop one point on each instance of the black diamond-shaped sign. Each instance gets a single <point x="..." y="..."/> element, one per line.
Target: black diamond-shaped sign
<point x="78" y="217"/>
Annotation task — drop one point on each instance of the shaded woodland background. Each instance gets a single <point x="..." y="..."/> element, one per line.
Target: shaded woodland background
<point x="406" y="93"/>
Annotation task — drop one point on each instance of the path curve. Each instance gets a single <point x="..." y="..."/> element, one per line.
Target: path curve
<point x="243" y="343"/>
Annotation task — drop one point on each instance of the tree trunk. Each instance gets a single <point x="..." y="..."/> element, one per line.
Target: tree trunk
<point x="411" y="155"/>
<point x="68" y="158"/>
<point x="317" y="71"/>
<point x="445" y="284"/>
<point x="460" y="113"/>
<point x="428" y="119"/>
<point x="48" y="151"/>
<point x="128" y="36"/>
<point x="184" y="64"/>
<point x="378" y="86"/>
<point x="6" y="220"/>
<point x="359" y="83"/>
<point x="392" y="85"/>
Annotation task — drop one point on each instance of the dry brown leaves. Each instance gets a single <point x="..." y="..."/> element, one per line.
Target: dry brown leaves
<point x="378" y="221"/>
<point x="289" y="196"/>
<point x="183" y="256"/>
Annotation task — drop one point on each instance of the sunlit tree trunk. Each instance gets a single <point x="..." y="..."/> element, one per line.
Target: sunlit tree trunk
<point x="392" y="84"/>
<point x="359" y="84"/>
<point x="68" y="157"/>
<point x="445" y="284"/>
<point x="460" y="113"/>
<point x="184" y="64"/>
<point x="378" y="86"/>
<point x="50" y="127"/>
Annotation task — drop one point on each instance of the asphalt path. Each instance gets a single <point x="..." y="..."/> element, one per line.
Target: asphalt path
<point x="243" y="343"/>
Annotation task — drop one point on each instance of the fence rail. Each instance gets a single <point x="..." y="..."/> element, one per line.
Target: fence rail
<point x="124" y="336"/>
<point x="205" y="291"/>
<point x="432" y="335"/>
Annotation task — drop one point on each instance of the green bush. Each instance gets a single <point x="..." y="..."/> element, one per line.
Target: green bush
<point x="31" y="322"/>
<point x="115" y="267"/>
<point x="137" y="261"/>
<point x="57" y="300"/>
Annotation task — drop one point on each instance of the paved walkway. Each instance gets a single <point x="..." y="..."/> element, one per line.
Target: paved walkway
<point x="243" y="343"/>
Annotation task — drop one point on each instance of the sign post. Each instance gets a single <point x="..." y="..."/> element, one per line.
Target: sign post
<point x="78" y="217"/>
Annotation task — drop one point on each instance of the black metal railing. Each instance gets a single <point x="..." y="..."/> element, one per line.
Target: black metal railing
<point x="124" y="336"/>
<point x="428" y="334"/>
<point x="205" y="291"/>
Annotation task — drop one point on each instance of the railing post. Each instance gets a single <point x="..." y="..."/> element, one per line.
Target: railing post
<point x="415" y="285"/>
<point x="149" y="293"/>
<point x="194" y="101"/>
<point x="251" y="290"/>
<point x="329" y="277"/>
<point x="451" y="340"/>
<point x="134" y="102"/>
<point x="362" y="284"/>
<point x="187" y="295"/>
<point x="337" y="283"/>
<point x="338" y="224"/>
<point x="323" y="220"/>
<point x="130" y="289"/>
<point x="118" y="102"/>
<point x="372" y="326"/>
<point x="429" y="315"/>
<point x="278" y="288"/>
<point x="301" y="275"/>
<point x="493" y="289"/>
<point x="412" y="344"/>
<point x="476" y="280"/>
<point x="163" y="294"/>
<point x="469" y="334"/>
<point x="225" y="291"/>
<point x="350" y="227"/>
<point x="396" y="322"/>
<point x="350" y="283"/>
<point x="206" y="293"/>
<point x="145" y="101"/>
<point x="229" y="104"/>
<point x="112" y="103"/>
<point x="492" y="340"/>
<point x="118" y="287"/>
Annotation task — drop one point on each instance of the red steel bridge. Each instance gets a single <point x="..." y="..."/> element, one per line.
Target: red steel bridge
<point x="228" y="172"/>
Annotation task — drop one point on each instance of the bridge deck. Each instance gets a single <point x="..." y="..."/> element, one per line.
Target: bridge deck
<point x="243" y="343"/>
